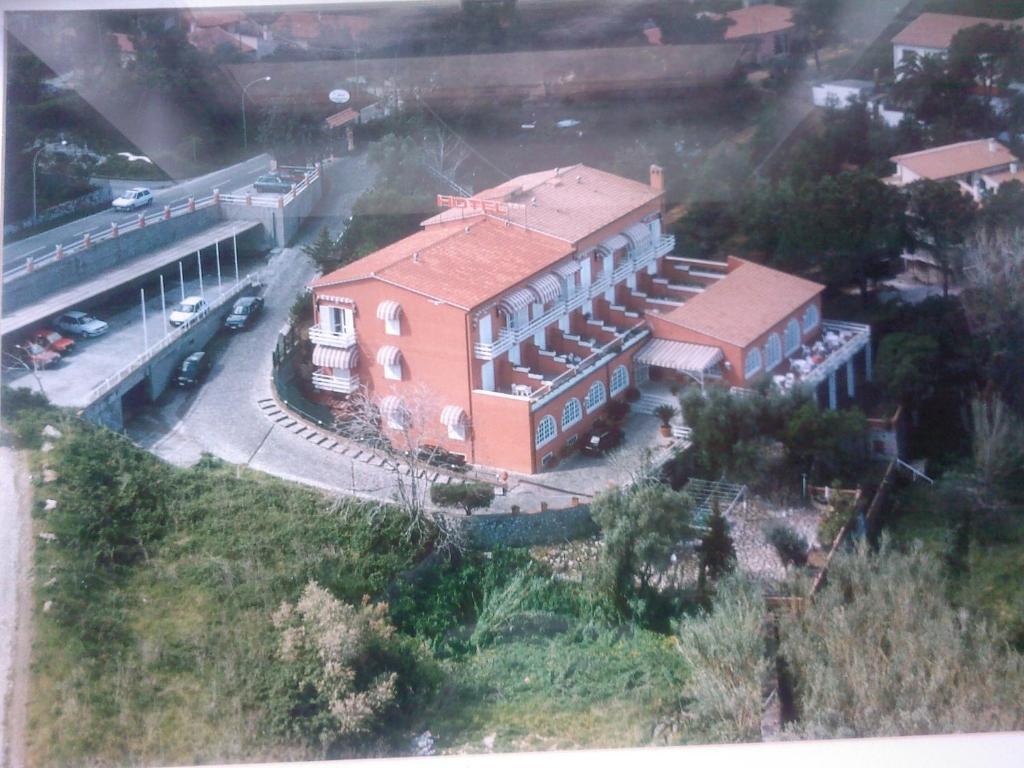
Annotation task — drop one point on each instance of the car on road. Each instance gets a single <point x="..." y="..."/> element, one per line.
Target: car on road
<point x="186" y="310"/>
<point x="600" y="442"/>
<point x="81" y="324"/>
<point x="36" y="356"/>
<point x="193" y="369"/>
<point x="53" y="341"/>
<point x="130" y="199"/>
<point x="271" y="182"/>
<point x="244" y="312"/>
<point x="439" y="457"/>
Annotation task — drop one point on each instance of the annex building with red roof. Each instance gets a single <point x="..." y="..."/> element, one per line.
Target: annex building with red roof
<point x="505" y="326"/>
<point x="931" y="34"/>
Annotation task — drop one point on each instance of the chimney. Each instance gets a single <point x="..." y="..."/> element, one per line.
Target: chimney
<point x="991" y="145"/>
<point x="1014" y="167"/>
<point x="658" y="178"/>
<point x="416" y="257"/>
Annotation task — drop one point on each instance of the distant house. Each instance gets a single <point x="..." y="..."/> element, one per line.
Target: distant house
<point x="125" y="49"/>
<point x="765" y="29"/>
<point x="652" y="32"/>
<point x="931" y="34"/>
<point x="978" y="167"/>
<point x="841" y="93"/>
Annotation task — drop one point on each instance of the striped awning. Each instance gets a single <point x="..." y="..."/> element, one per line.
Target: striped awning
<point x="511" y="303"/>
<point x="547" y="287"/>
<point x="639" y="235"/>
<point x="613" y="244"/>
<point x="332" y="357"/>
<point x="389" y="310"/>
<point x="679" y="356"/>
<point x="392" y="407"/>
<point x="453" y="416"/>
<point x="389" y="356"/>
<point x="568" y="269"/>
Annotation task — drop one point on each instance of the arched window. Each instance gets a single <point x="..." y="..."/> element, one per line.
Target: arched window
<point x="753" y="363"/>
<point x="595" y="396"/>
<point x="773" y="352"/>
<point x="546" y="430"/>
<point x="811" y="318"/>
<point x="792" y="340"/>
<point x="571" y="413"/>
<point x="620" y="380"/>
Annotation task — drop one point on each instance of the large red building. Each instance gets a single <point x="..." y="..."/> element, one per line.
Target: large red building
<point x="506" y="324"/>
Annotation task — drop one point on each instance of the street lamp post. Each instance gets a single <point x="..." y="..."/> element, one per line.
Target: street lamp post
<point x="245" y="134"/>
<point x="35" y="158"/>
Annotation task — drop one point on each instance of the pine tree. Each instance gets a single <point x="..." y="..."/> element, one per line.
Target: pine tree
<point x="324" y="251"/>
<point x="717" y="553"/>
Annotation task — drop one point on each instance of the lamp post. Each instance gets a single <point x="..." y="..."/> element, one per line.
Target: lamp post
<point x="35" y="158"/>
<point x="245" y="135"/>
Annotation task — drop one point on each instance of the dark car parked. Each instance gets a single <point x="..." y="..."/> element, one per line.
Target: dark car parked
<point x="598" y="443"/>
<point x="439" y="457"/>
<point x="193" y="369"/>
<point x="273" y="183"/>
<point x="244" y="312"/>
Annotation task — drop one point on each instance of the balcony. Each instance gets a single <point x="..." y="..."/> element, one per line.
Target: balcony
<point x="839" y="342"/>
<point x="345" y="385"/>
<point x="322" y="336"/>
<point x="638" y="261"/>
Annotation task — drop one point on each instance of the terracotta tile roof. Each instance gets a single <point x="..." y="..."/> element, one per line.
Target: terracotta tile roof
<point x="568" y="203"/>
<point x="124" y="43"/>
<point x="956" y="159"/>
<point x="214" y="18"/>
<point x="341" y="118"/>
<point x="1004" y="176"/>
<point x="210" y="38"/>
<point x="758" y="20"/>
<point x="461" y="263"/>
<point x="744" y="304"/>
<point x="936" y="30"/>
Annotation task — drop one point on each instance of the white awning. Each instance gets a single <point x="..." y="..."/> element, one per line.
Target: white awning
<point x="568" y="269"/>
<point x="333" y="357"/>
<point x="389" y="356"/>
<point x="391" y="405"/>
<point x="453" y="416"/>
<point x="639" y="235"/>
<point x="613" y="244"/>
<point x="511" y="303"/>
<point x="389" y="310"/>
<point x="679" y="356"/>
<point x="547" y="287"/>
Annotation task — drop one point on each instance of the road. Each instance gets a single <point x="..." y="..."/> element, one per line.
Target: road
<point x="226" y="179"/>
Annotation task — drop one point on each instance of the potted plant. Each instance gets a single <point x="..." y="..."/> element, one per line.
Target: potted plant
<point x="666" y="413"/>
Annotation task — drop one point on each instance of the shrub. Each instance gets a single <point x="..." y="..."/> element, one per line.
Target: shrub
<point x="665" y="412"/>
<point x="790" y="546"/>
<point x="617" y="411"/>
<point x="717" y="552"/>
<point x="468" y="496"/>
<point x="632" y="394"/>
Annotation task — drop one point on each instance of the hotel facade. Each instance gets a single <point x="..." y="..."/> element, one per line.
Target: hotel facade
<point x="504" y="327"/>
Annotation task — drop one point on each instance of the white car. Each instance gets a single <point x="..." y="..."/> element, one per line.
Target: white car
<point x="80" y="324"/>
<point x="132" y="199"/>
<point x="189" y="308"/>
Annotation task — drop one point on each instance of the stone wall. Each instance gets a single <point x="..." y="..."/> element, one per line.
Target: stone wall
<point x="553" y="526"/>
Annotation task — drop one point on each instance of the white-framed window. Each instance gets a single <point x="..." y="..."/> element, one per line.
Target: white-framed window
<point x="571" y="413"/>
<point x="753" y="363"/>
<point x="773" y="352"/>
<point x="335" y="319"/>
<point x="619" y="380"/>
<point x="457" y="431"/>
<point x="811" y="318"/>
<point x="393" y="326"/>
<point x="546" y="430"/>
<point x="792" y="338"/>
<point x="393" y="371"/>
<point x="595" y="396"/>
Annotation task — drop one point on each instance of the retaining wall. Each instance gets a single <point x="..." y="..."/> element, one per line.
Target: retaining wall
<point x="280" y="225"/>
<point x="552" y="526"/>
<point x="54" y="276"/>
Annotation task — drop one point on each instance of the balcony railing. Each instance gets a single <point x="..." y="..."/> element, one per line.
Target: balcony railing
<point x="510" y="336"/>
<point x="344" y="384"/>
<point x="857" y="337"/>
<point x="319" y="335"/>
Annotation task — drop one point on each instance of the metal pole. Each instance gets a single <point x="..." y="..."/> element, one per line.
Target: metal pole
<point x="219" y="286"/>
<point x="234" y="249"/>
<point x="245" y="135"/>
<point x="145" y="331"/>
<point x="163" y="304"/>
<point x="34" y="214"/>
<point x="181" y="280"/>
<point x="199" y="261"/>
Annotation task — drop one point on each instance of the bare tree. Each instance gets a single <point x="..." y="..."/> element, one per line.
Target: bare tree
<point x="444" y="152"/>
<point x="997" y="443"/>
<point x="15" y="362"/>
<point x="993" y="295"/>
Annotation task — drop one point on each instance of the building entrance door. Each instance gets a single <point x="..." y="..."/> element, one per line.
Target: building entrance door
<point x="641" y="374"/>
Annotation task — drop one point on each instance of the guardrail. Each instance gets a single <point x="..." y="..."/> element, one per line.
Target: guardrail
<point x="319" y="335"/>
<point x="109" y="383"/>
<point x="861" y="338"/>
<point x="509" y="336"/>
<point x="168" y="212"/>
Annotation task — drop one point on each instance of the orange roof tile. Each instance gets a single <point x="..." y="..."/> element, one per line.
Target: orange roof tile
<point x="461" y="263"/>
<point x="567" y="203"/>
<point x="124" y="43"/>
<point x="744" y="304"/>
<point x="936" y="30"/>
<point x="214" y="18"/>
<point x="956" y="159"/>
<point x="758" y="20"/>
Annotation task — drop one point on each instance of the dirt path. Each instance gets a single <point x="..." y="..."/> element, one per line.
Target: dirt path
<point x="15" y="604"/>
